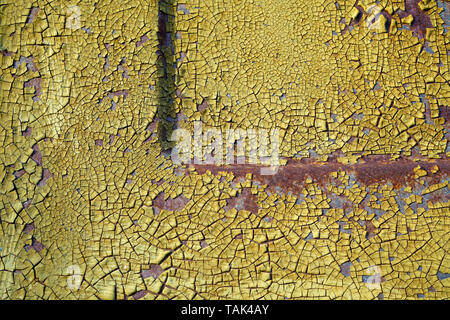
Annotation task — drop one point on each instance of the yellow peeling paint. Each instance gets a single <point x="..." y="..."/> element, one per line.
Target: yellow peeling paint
<point x="85" y="185"/>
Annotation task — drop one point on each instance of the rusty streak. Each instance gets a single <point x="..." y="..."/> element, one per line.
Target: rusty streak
<point x="292" y="176"/>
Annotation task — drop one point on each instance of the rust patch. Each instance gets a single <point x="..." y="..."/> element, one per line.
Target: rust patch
<point x="36" y="83"/>
<point x="29" y="61"/>
<point x="140" y="294"/>
<point x="119" y="93"/>
<point x="419" y="25"/>
<point x="441" y="195"/>
<point x="371" y="170"/>
<point x="170" y="204"/>
<point x="421" y="20"/>
<point x="27" y="132"/>
<point x="203" y="106"/>
<point x="345" y="269"/>
<point x="19" y="173"/>
<point x="46" y="175"/>
<point x="28" y="228"/>
<point x="154" y="271"/>
<point x="37" y="155"/>
<point x="143" y="40"/>
<point x="370" y="229"/>
<point x="444" y="112"/>
<point x="243" y="201"/>
<point x="36" y="245"/>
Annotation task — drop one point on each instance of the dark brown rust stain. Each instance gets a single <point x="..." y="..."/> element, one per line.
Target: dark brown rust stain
<point x="46" y="175"/>
<point x="243" y="201"/>
<point x="371" y="230"/>
<point x="154" y="271"/>
<point x="36" y="156"/>
<point x="140" y="294"/>
<point x="170" y="204"/>
<point x="444" y="112"/>
<point x="27" y="132"/>
<point x="371" y="170"/>
<point x="119" y="93"/>
<point x="143" y="40"/>
<point x="29" y="227"/>
<point x="19" y="173"/>
<point x="36" y="245"/>
<point x="203" y="106"/>
<point x="421" y="20"/>
<point x="35" y="83"/>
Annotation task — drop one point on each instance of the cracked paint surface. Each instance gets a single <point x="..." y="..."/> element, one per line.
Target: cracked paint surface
<point x="89" y="101"/>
